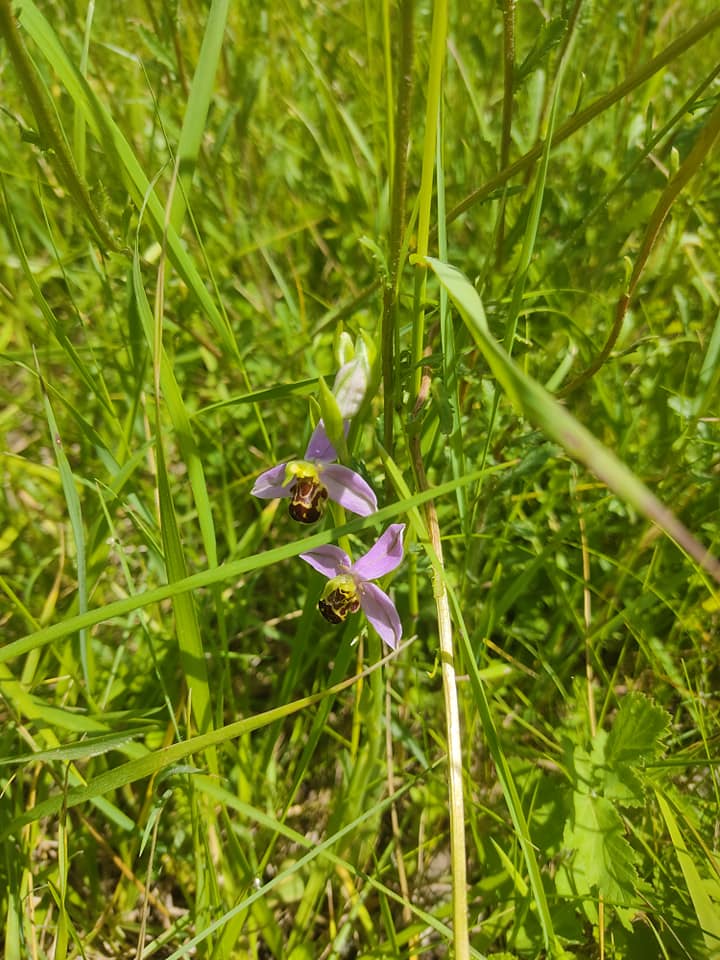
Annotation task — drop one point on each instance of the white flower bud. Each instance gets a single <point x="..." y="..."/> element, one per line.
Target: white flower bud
<point x="351" y="382"/>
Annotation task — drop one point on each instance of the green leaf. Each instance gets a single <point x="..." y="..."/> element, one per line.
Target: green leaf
<point x="584" y="765"/>
<point x="637" y="732"/>
<point x="604" y="861"/>
<point x="74" y="512"/>
<point x="81" y="750"/>
<point x="609" y="769"/>
<point x="549" y="36"/>
<point x="443" y="407"/>
<point x="624" y="786"/>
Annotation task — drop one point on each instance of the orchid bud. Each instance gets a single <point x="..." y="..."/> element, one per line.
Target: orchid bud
<point x="351" y="382"/>
<point x="333" y="420"/>
<point x="344" y="349"/>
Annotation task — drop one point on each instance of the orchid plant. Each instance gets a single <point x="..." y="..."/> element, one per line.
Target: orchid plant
<point x="317" y="478"/>
<point x="350" y="587"/>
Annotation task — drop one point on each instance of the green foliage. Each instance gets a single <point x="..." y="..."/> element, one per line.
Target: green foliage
<point x="605" y="779"/>
<point x="203" y="205"/>
<point x="550" y="34"/>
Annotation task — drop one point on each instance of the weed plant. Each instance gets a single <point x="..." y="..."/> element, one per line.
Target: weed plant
<point x="516" y="205"/>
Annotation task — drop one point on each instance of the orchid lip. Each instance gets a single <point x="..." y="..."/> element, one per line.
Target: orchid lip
<point x="339" y="599"/>
<point x="309" y="499"/>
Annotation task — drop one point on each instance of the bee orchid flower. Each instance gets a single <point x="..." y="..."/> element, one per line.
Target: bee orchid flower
<point x="350" y="587"/>
<point x="310" y="482"/>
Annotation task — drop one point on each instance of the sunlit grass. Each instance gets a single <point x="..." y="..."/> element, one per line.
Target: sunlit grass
<point x="195" y="203"/>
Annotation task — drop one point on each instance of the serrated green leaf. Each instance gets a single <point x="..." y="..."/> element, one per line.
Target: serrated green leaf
<point x="624" y="786"/>
<point x="637" y="732"/>
<point x="604" y="861"/>
<point x="549" y="36"/>
<point x="583" y="770"/>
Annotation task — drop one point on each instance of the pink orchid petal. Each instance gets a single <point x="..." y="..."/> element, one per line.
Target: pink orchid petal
<point x="348" y="488"/>
<point x="381" y="613"/>
<point x="329" y="560"/>
<point x="320" y="448"/>
<point x="384" y="555"/>
<point x="272" y="483"/>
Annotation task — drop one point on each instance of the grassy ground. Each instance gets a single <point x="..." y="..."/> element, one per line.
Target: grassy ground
<point x="197" y="200"/>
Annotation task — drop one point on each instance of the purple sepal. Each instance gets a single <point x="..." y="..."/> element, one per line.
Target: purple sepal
<point x="329" y="560"/>
<point x="384" y="555"/>
<point x="272" y="483"/>
<point x="319" y="448"/>
<point x="381" y="613"/>
<point x="349" y="490"/>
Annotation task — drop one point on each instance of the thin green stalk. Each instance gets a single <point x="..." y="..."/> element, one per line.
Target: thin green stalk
<point x="450" y="382"/>
<point x="573" y="22"/>
<point x="197" y="108"/>
<point x="434" y="91"/>
<point x="507" y="783"/>
<point x="397" y="214"/>
<point x="458" y="856"/>
<point x="74" y="512"/>
<point x="508" y="90"/>
<point x="79" y="127"/>
<point x="531" y="231"/>
<point x="387" y="54"/>
<point x="60" y="893"/>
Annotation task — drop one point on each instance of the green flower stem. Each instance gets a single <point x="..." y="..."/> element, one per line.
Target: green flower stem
<point x="508" y="90"/>
<point x="339" y="520"/>
<point x="425" y="198"/>
<point x="398" y="164"/>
